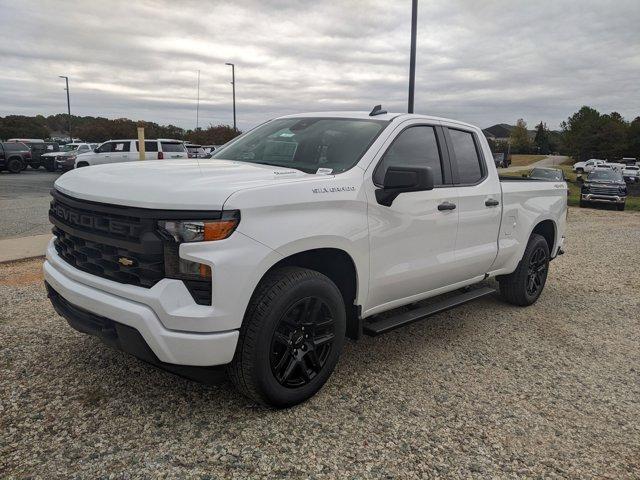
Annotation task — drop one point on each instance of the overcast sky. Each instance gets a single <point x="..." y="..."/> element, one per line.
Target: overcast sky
<point x="483" y="62"/>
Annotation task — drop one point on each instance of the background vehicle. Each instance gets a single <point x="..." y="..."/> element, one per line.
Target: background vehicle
<point x="36" y="146"/>
<point x="210" y="149"/>
<point x="14" y="156"/>
<point x="195" y="151"/>
<point x="68" y="161"/>
<point x="46" y="160"/>
<point x="295" y="235"/>
<point x="542" y="173"/>
<point x="604" y="185"/>
<point x="585" y="167"/>
<point x="57" y="159"/>
<point x="629" y="161"/>
<point x="116" y="151"/>
<point x="631" y="174"/>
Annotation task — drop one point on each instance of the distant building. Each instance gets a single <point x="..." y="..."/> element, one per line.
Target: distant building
<point x="501" y="132"/>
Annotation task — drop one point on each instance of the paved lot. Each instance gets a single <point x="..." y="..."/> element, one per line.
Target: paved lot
<point x="485" y="391"/>
<point x="24" y="202"/>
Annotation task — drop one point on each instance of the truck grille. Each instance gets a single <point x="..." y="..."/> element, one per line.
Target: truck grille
<point x="108" y="261"/>
<point x="107" y="241"/>
<point x="603" y="190"/>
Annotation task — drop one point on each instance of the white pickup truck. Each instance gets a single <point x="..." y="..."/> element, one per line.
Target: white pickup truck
<point x="297" y="234"/>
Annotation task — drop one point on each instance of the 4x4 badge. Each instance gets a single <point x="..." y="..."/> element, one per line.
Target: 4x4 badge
<point x="127" y="262"/>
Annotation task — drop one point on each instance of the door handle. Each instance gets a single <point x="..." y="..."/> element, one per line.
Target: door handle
<point x="492" y="202"/>
<point x="447" y="206"/>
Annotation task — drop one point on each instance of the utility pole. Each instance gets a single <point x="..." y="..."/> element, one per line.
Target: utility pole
<point x="198" y="103"/>
<point x="412" y="60"/>
<point x="68" y="107"/>
<point x="233" y="82"/>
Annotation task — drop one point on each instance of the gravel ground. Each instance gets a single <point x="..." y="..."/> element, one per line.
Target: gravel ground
<point x="487" y="390"/>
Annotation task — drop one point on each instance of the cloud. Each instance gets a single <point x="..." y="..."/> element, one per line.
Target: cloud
<point x="484" y="63"/>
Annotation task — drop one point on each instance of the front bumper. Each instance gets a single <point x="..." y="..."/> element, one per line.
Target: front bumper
<point x="592" y="197"/>
<point x="126" y="338"/>
<point x="169" y="346"/>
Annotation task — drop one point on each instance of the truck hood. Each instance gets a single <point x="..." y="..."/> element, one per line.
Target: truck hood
<point x="194" y="184"/>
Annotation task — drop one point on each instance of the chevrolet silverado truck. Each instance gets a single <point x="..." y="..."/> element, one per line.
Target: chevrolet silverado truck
<point x="259" y="262"/>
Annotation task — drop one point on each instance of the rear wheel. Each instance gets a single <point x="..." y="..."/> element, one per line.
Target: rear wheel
<point x="583" y="203"/>
<point x="82" y="164"/>
<point x="14" y="165"/>
<point x="291" y="337"/>
<point x="620" y="206"/>
<point x="524" y="286"/>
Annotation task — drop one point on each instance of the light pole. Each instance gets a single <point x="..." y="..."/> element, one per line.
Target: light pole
<point x="412" y="59"/>
<point x="68" y="107"/>
<point x="233" y="82"/>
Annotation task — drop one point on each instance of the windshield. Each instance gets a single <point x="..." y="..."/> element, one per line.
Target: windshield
<point x="608" y="175"/>
<point x="307" y="144"/>
<point x="546" y="174"/>
<point x="69" y="148"/>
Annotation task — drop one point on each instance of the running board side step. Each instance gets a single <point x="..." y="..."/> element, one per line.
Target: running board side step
<point x="384" y="325"/>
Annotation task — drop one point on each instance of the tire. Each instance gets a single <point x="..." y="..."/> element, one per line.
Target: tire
<point x="580" y="170"/>
<point x="517" y="288"/>
<point x="82" y="164"/>
<point x="620" y="207"/>
<point x="49" y="166"/>
<point x="277" y="362"/>
<point x="14" y="165"/>
<point x="583" y="203"/>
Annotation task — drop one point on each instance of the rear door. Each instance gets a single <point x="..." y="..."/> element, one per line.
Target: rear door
<point x="478" y="196"/>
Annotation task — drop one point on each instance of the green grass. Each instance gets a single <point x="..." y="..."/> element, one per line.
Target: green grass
<point x="633" y="203"/>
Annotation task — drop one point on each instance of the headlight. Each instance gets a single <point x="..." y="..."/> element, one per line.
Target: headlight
<point x="186" y="231"/>
<point x="176" y="232"/>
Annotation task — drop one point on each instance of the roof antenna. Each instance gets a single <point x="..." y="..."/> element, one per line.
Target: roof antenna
<point x="377" y="110"/>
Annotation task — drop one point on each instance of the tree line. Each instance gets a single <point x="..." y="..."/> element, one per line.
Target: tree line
<point x="585" y="134"/>
<point x="100" y="129"/>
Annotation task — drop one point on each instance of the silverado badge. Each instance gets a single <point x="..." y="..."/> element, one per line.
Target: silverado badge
<point x="127" y="262"/>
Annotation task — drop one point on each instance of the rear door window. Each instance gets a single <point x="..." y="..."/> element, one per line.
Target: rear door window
<point x="465" y="156"/>
<point x="173" y="147"/>
<point x="121" y="146"/>
<point x="414" y="147"/>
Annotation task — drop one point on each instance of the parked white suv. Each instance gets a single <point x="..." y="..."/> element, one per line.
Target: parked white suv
<point x="116" y="151"/>
<point x="292" y="237"/>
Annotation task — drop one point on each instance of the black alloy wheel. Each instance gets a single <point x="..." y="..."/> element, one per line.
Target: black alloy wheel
<point x="302" y="342"/>
<point x="537" y="271"/>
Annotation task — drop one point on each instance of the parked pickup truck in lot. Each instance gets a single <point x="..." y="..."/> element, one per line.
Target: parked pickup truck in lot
<point x="604" y="185"/>
<point x="292" y="237"/>
<point x="14" y="156"/>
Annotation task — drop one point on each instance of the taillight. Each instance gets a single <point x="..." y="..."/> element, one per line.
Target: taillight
<point x="160" y="155"/>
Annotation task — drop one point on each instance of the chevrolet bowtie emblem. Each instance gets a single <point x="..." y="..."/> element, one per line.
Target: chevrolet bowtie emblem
<point x="127" y="262"/>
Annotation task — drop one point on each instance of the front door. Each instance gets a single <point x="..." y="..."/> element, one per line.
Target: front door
<point x="412" y="242"/>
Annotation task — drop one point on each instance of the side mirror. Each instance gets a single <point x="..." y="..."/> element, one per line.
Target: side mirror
<point x="399" y="180"/>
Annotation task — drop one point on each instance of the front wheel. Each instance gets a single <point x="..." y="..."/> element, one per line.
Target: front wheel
<point x="524" y="286"/>
<point x="291" y="337"/>
<point x="620" y="207"/>
<point x="583" y="203"/>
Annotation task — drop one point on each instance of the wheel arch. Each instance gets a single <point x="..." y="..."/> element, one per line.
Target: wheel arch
<point x="547" y="228"/>
<point x="340" y="267"/>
